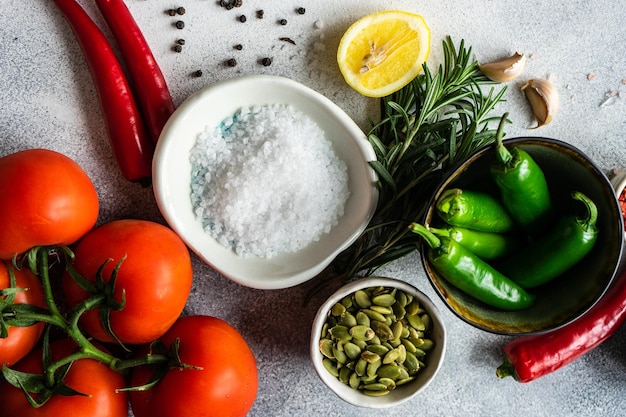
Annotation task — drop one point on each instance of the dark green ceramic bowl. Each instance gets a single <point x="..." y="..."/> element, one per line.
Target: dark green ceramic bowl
<point x="574" y="292"/>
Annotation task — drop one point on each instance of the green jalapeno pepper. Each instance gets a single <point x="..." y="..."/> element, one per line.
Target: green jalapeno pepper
<point x="470" y="274"/>
<point x="551" y="255"/>
<point x="523" y="187"/>
<point x="473" y="210"/>
<point x="485" y="245"/>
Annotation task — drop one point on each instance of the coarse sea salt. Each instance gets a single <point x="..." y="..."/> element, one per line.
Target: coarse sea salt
<point x="266" y="181"/>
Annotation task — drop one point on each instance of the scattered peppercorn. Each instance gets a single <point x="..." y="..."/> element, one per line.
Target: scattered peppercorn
<point x="180" y="11"/>
<point x="180" y="24"/>
<point x="177" y="48"/>
<point x="266" y="62"/>
<point x="301" y="10"/>
<point x="283" y="22"/>
<point x="289" y="40"/>
<point x="260" y="14"/>
<point x="237" y="3"/>
<point x="231" y="62"/>
<point x="180" y="41"/>
<point x="171" y="12"/>
<point x="243" y="18"/>
<point x="238" y="47"/>
<point x="198" y="73"/>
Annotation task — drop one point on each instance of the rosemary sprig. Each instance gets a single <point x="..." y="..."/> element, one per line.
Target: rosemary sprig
<point x="425" y="130"/>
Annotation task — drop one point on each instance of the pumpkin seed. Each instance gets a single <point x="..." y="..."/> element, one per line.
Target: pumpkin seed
<point x="384" y="300"/>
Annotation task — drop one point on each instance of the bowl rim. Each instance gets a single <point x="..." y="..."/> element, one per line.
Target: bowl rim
<point x="280" y="274"/>
<point x="477" y="154"/>
<point x="347" y="393"/>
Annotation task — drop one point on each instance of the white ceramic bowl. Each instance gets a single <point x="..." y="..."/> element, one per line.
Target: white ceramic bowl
<point x="213" y="104"/>
<point x="433" y="360"/>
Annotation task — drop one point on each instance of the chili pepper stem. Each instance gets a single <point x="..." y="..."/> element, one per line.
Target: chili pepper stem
<point x="588" y="222"/>
<point x="431" y="239"/>
<point x="506" y="369"/>
<point x="502" y="153"/>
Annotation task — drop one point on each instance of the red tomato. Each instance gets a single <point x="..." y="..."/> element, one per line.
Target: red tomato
<point x="86" y="376"/>
<point x="155" y="278"/>
<point x="225" y="386"/>
<point x="21" y="339"/>
<point x="47" y="200"/>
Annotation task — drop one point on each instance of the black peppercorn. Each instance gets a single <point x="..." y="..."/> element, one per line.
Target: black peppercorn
<point x="177" y="48"/>
<point x="180" y="41"/>
<point x="260" y="14"/>
<point x="237" y="3"/>
<point x="180" y="24"/>
<point x="301" y="10"/>
<point x="238" y="47"/>
<point x="243" y="18"/>
<point x="266" y="62"/>
<point x="198" y="73"/>
<point x="231" y="62"/>
<point x="171" y="12"/>
<point x="180" y="10"/>
<point x="283" y="22"/>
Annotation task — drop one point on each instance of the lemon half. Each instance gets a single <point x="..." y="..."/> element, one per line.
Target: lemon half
<point x="382" y="52"/>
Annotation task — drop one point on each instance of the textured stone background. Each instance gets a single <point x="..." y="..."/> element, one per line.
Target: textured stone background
<point x="48" y="100"/>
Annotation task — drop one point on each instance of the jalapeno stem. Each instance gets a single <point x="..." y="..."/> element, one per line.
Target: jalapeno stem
<point x="588" y="223"/>
<point x="431" y="239"/>
<point x="504" y="156"/>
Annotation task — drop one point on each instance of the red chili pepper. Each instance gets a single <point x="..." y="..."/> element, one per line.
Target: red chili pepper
<point x="131" y="146"/>
<point x="153" y="96"/>
<point x="531" y="357"/>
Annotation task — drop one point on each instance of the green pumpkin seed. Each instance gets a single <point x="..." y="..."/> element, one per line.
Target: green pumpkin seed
<point x="351" y="350"/>
<point x="362" y="319"/>
<point x="373" y="367"/>
<point x="376" y="386"/>
<point x="388" y="382"/>
<point x="427" y="344"/>
<point x="370" y="357"/>
<point x="330" y="367"/>
<point x="340" y="355"/>
<point x="408" y="345"/>
<point x="340" y="332"/>
<point x="426" y="320"/>
<point x="345" y="374"/>
<point x="361" y="332"/>
<point x="361" y="367"/>
<point x="362" y="299"/>
<point x="354" y="381"/>
<point x="396" y="329"/>
<point x="347" y="319"/>
<point x="338" y="309"/>
<point x="326" y="347"/>
<point x="391" y="356"/>
<point x="347" y="301"/>
<point x="374" y="315"/>
<point x="399" y="311"/>
<point x="389" y="371"/>
<point x="416" y="322"/>
<point x="378" y="349"/>
<point x="404" y="381"/>
<point x="382" y="330"/>
<point x="382" y="310"/>
<point x="411" y="363"/>
<point x="384" y="300"/>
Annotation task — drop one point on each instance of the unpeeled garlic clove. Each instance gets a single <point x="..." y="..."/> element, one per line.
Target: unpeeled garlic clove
<point x="543" y="98"/>
<point x="505" y="69"/>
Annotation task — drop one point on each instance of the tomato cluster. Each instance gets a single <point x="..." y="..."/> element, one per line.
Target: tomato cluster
<point x="140" y="274"/>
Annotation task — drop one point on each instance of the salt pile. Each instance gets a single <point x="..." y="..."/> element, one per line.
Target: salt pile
<point x="266" y="181"/>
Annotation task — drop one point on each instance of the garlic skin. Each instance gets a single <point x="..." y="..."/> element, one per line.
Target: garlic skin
<point x="505" y="69"/>
<point x="543" y="98"/>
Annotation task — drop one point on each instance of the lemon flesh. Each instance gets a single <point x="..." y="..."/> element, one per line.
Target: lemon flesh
<point x="381" y="53"/>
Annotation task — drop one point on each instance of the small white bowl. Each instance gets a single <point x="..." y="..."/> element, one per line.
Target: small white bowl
<point x="433" y="360"/>
<point x="209" y="107"/>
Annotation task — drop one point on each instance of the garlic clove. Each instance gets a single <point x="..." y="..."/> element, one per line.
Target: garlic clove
<point x="505" y="69"/>
<point x="543" y="98"/>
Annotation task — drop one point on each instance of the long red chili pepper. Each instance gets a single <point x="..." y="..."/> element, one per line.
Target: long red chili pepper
<point x="131" y="146"/>
<point x="531" y="357"/>
<point x="148" y="82"/>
